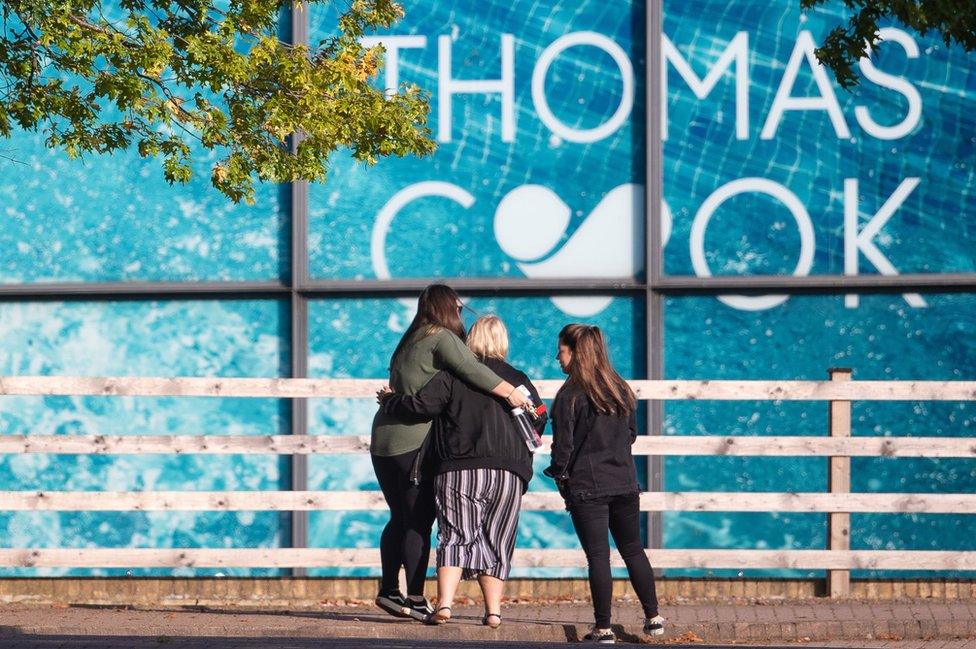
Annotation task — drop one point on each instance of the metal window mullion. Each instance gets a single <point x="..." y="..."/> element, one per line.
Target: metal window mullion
<point x="654" y="262"/>
<point x="655" y="409"/>
<point x="299" y="418"/>
<point x="817" y="284"/>
<point x="297" y="279"/>
<point x="665" y="284"/>
<point x="474" y="285"/>
<point x="138" y="290"/>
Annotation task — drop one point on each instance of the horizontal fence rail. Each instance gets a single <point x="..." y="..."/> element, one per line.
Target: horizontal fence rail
<point x="837" y="448"/>
<point x="794" y="446"/>
<point x="696" y="501"/>
<point x="366" y="388"/>
<point x="370" y="557"/>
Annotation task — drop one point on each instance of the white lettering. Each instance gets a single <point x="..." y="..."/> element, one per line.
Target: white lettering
<point x="545" y="113"/>
<point x="737" y="52"/>
<point x="393" y="45"/>
<point x="761" y="186"/>
<point x="899" y="85"/>
<point x="855" y="241"/>
<point x="784" y="100"/>
<point x="400" y="200"/>
<point x="447" y="87"/>
<point x="667" y="222"/>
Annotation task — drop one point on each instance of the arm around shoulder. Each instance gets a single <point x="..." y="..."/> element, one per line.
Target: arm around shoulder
<point x="539" y="423"/>
<point x="455" y="356"/>
<point x="430" y="401"/>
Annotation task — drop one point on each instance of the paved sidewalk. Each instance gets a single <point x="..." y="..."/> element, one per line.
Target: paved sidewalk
<point x="873" y="625"/>
<point x="967" y="643"/>
<point x="128" y="642"/>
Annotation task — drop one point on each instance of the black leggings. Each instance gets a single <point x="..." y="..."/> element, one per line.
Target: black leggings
<point x="621" y="516"/>
<point x="406" y="538"/>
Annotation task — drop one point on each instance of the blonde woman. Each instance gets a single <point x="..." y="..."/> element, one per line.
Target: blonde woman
<point x="433" y="342"/>
<point x="484" y="467"/>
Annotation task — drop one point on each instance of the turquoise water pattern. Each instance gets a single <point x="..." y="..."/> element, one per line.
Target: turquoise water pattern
<point x="535" y="185"/>
<point x="881" y="340"/>
<point x="831" y="160"/>
<point x="239" y="338"/>
<point x="552" y="185"/>
<point x="115" y="218"/>
<point x="908" y="126"/>
<point x="353" y="338"/>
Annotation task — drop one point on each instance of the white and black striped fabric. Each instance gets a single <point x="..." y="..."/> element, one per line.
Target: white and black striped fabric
<point x="477" y="518"/>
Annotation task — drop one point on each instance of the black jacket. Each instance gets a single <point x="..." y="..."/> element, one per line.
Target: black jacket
<point x="598" y="445"/>
<point x="472" y="430"/>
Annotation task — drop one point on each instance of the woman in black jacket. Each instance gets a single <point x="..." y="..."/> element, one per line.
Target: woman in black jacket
<point x="434" y="341"/>
<point x="483" y="468"/>
<point x="594" y="425"/>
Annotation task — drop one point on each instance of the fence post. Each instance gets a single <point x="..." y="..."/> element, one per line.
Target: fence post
<point x="839" y="481"/>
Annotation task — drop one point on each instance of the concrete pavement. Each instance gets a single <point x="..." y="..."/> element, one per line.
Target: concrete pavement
<point x="813" y="622"/>
<point x="137" y="642"/>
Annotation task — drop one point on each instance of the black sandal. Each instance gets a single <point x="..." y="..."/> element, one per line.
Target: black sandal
<point x="485" y="622"/>
<point x="437" y="618"/>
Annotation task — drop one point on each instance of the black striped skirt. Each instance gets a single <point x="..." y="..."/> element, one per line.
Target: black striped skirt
<point x="477" y="519"/>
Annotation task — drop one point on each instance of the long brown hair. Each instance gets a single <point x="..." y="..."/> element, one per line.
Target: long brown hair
<point x="591" y="370"/>
<point x="437" y="307"/>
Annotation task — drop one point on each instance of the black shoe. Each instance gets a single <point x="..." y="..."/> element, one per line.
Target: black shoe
<point x="601" y="636"/>
<point x="419" y="610"/>
<point x="654" y="625"/>
<point x="395" y="604"/>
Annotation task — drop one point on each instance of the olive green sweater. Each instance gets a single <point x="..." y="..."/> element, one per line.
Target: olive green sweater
<point x="424" y="355"/>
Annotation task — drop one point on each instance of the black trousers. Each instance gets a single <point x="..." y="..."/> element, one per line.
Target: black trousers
<point x="620" y="515"/>
<point x="406" y="538"/>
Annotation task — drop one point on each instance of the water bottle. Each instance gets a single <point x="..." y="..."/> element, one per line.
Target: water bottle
<point x="523" y="422"/>
<point x="524" y="425"/>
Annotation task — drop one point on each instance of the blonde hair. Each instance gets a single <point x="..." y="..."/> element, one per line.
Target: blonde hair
<point x="488" y="338"/>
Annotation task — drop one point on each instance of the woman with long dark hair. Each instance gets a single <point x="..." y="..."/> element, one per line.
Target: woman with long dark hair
<point x="434" y="341"/>
<point x="594" y="426"/>
<point x="483" y="468"/>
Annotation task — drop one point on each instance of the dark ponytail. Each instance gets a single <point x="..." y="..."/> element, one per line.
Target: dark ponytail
<point x="591" y="370"/>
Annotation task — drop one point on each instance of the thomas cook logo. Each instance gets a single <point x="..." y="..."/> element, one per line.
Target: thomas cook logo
<point x="530" y="222"/>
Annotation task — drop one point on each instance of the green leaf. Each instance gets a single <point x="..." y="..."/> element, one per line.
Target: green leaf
<point x="953" y="20"/>
<point x="204" y="75"/>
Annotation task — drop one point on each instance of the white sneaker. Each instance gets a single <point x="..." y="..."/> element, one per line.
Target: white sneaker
<point x="601" y="636"/>
<point x="654" y="625"/>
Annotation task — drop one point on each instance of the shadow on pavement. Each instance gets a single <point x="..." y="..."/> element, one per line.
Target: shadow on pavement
<point x="368" y="615"/>
<point x="165" y="642"/>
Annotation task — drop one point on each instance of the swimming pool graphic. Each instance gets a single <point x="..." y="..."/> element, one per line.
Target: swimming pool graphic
<point x="529" y="224"/>
<point x="530" y="181"/>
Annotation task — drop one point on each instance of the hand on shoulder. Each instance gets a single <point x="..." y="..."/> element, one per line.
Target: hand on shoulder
<point x="383" y="394"/>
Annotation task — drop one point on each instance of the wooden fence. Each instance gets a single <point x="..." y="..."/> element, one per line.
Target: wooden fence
<point x="838" y="446"/>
